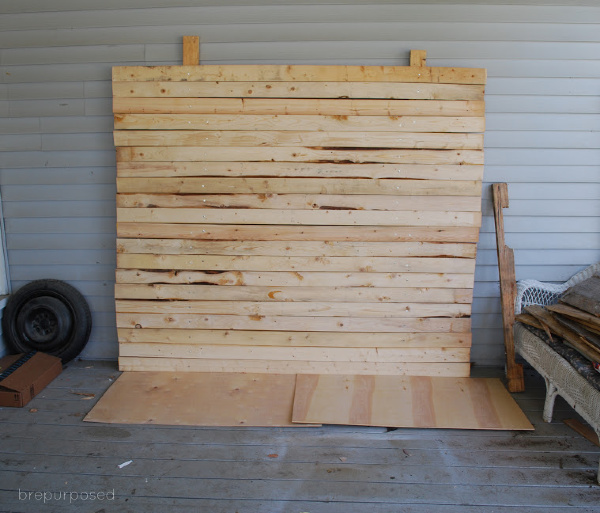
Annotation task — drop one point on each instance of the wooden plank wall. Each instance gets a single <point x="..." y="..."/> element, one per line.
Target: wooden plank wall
<point x="297" y="218"/>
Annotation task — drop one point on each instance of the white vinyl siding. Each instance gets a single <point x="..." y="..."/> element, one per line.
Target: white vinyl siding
<point x="57" y="159"/>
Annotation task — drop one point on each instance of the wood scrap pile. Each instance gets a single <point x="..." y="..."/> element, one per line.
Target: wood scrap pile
<point x="575" y="319"/>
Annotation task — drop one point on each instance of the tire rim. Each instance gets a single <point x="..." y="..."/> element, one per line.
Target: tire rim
<point x="45" y="322"/>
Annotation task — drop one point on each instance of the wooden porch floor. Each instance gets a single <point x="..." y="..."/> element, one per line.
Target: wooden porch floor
<point x="46" y="447"/>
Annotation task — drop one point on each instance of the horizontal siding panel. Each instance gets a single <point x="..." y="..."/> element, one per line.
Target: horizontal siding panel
<point x="59" y="176"/>
<point x="39" y="91"/>
<point x="65" y="209"/>
<point x="542" y="122"/>
<point x="519" y="193"/>
<point x="21" y="142"/>
<point x="20" y="74"/>
<point x="295" y="13"/>
<point x="100" y="289"/>
<point x="508" y="103"/>
<point x="19" y="126"/>
<point x="575" y="256"/>
<point x="75" y="158"/>
<point x="550" y="157"/>
<point x="82" y="224"/>
<point x="289" y="51"/>
<point x="72" y="55"/>
<point x="542" y="241"/>
<point x="87" y="124"/>
<point x="62" y="242"/>
<point x="78" y="142"/>
<point x="549" y="207"/>
<point x="292" y="31"/>
<point x="61" y="257"/>
<point x="543" y="224"/>
<point x="49" y="107"/>
<point x="535" y="174"/>
<point x="67" y="273"/>
<point x="542" y="139"/>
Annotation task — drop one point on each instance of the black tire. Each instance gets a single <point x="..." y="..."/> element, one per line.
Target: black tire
<point x="49" y="316"/>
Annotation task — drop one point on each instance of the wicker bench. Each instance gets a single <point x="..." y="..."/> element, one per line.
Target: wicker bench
<point x="560" y="375"/>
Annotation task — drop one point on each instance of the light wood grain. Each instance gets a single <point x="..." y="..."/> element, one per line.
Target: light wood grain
<point x="336" y="123"/>
<point x="307" y="354"/>
<point x="298" y="248"/>
<point x="297" y="202"/>
<point x="401" y="401"/>
<point x="221" y="399"/>
<point x="294" y="233"/>
<point x="293" y="308"/>
<point x="303" y="202"/>
<point x="327" y="186"/>
<point x="294" y="323"/>
<point x="292" y="338"/>
<point x="291" y="138"/>
<point x="298" y="170"/>
<point x="295" y="278"/>
<point x="323" y="294"/>
<point x="272" y="89"/>
<point x="297" y="264"/>
<point x="131" y="363"/>
<point x="298" y="154"/>
<point x="298" y="106"/>
<point x="320" y="217"/>
<point x="310" y="73"/>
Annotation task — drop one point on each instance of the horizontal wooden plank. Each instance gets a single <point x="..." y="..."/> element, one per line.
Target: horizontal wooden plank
<point x="293" y="308"/>
<point x="299" y="89"/>
<point x="291" y="138"/>
<point x="302" y="202"/>
<point x="336" y="217"/>
<point x="291" y="264"/>
<point x="299" y="106"/>
<point x="292" y="338"/>
<point x="298" y="170"/>
<point x="333" y="123"/>
<point x="294" y="233"/>
<point x="311" y="73"/>
<point x="298" y="248"/>
<point x="214" y="185"/>
<point x="298" y="154"/>
<point x="258" y="293"/>
<point x="312" y="354"/>
<point x="129" y="363"/>
<point x="297" y="279"/>
<point x="272" y="89"/>
<point x="294" y="323"/>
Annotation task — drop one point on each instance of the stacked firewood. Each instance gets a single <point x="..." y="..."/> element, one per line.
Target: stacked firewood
<point x="575" y="319"/>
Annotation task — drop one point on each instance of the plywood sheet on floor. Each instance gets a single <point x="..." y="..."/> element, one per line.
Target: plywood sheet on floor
<point x="197" y="399"/>
<point x="407" y="401"/>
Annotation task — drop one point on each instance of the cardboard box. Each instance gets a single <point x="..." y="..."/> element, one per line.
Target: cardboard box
<point x="29" y="379"/>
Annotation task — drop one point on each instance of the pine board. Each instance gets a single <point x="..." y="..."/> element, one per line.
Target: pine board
<point x="268" y="214"/>
<point x="297" y="107"/>
<point x="403" y="401"/>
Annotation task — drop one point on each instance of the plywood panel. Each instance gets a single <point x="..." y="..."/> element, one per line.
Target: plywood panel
<point x="402" y="401"/>
<point x="267" y="215"/>
<point x="221" y="399"/>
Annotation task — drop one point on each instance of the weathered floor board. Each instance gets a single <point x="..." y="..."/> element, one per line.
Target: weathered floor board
<point x="47" y="447"/>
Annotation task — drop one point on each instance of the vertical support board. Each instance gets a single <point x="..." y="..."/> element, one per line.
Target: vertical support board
<point x="297" y="219"/>
<point x="508" y="289"/>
